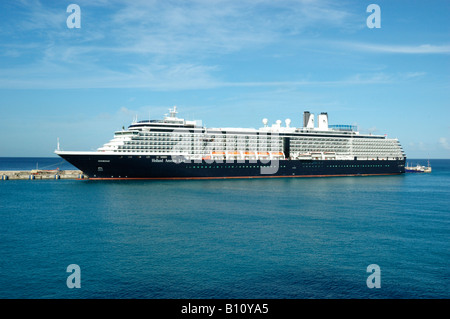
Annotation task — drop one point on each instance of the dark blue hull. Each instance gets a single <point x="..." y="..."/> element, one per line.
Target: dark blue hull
<point x="163" y="167"/>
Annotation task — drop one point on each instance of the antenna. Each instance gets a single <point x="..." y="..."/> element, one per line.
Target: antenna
<point x="173" y="112"/>
<point x="57" y="144"/>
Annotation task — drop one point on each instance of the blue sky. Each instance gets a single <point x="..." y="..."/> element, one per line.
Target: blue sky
<point x="228" y="63"/>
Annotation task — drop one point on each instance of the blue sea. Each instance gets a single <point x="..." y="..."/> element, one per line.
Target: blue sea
<point x="229" y="239"/>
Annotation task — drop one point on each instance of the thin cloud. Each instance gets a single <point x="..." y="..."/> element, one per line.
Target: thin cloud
<point x="151" y="44"/>
<point x="164" y="78"/>
<point x="443" y="142"/>
<point x="400" y="49"/>
<point x="414" y="75"/>
<point x="218" y="27"/>
<point x="163" y="45"/>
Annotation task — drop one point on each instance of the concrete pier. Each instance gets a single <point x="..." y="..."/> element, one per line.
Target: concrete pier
<point x="42" y="174"/>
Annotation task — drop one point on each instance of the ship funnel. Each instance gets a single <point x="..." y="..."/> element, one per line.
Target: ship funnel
<point x="308" y="120"/>
<point x="323" y="121"/>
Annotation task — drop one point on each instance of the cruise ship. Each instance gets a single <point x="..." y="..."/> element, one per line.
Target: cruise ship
<point x="174" y="148"/>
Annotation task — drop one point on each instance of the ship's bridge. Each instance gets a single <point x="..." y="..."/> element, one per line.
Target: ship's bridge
<point x="343" y="127"/>
<point x="171" y="121"/>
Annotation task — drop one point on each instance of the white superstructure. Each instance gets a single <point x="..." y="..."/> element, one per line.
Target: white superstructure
<point x="176" y="136"/>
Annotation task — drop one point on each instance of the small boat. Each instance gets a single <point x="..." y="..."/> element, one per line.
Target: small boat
<point x="414" y="169"/>
<point x="418" y="168"/>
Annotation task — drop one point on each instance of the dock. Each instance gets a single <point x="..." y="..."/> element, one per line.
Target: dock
<point x="36" y="174"/>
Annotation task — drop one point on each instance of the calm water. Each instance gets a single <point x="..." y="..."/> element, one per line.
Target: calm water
<point x="274" y="238"/>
